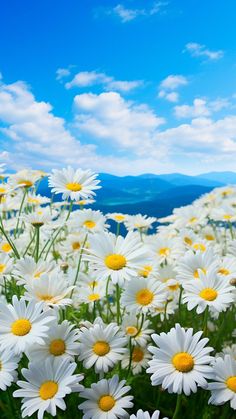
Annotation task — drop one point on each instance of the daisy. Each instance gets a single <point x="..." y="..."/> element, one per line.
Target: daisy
<point x="88" y="220"/>
<point x="61" y="342"/>
<point x="48" y="382"/>
<point x="163" y="248"/>
<point x="227" y="268"/>
<point x="131" y="327"/>
<point x="146" y="415"/>
<point x="181" y="361"/>
<point x="6" y="265"/>
<point x="139" y="359"/>
<point x="191" y="264"/>
<point x="22" y="325"/>
<point x="223" y="389"/>
<point x="73" y="184"/>
<point x="117" y="257"/>
<point x="36" y="200"/>
<point x="118" y="217"/>
<point x="9" y="365"/>
<point x="142" y="294"/>
<point x="27" y="270"/>
<point x="24" y="178"/>
<point x="101" y="345"/>
<point x="51" y="288"/>
<point x="38" y="218"/>
<point x="208" y="291"/>
<point x="139" y="222"/>
<point x="106" y="399"/>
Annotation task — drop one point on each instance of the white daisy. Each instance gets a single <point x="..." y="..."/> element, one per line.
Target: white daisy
<point x="61" y="342"/>
<point x="50" y="288"/>
<point x="146" y="415"/>
<point x="88" y="220"/>
<point x="223" y="389"/>
<point x="181" y="361"/>
<point x="27" y="270"/>
<point x="117" y="257"/>
<point x="208" y="291"/>
<point x="101" y="345"/>
<point x="48" y="382"/>
<point x="6" y="265"/>
<point x="106" y="400"/>
<point x="9" y="364"/>
<point x="22" y="325"/>
<point x="73" y="184"/>
<point x="142" y="294"/>
<point x="139" y="359"/>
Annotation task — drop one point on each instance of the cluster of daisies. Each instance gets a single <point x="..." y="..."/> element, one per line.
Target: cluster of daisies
<point x="102" y="325"/>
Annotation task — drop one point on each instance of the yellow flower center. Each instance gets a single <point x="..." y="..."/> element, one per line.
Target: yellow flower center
<point x="76" y="245"/>
<point x="89" y="224"/>
<point x="227" y="217"/>
<point x="101" y="348"/>
<point x="33" y="201"/>
<point x="208" y="294"/>
<point x="131" y="330"/>
<point x="223" y="271"/>
<point x="188" y="241"/>
<point x="173" y="287"/>
<point x="57" y="347"/>
<point x="38" y="274"/>
<point x="26" y="183"/>
<point x="137" y="355"/>
<point x="6" y="247"/>
<point x="48" y="390"/>
<point x="2" y="190"/>
<point x="199" y="246"/>
<point x="196" y="274"/>
<point x="209" y="237"/>
<point x="106" y="403"/>
<point x="21" y="327"/>
<point x="2" y="267"/>
<point x="193" y="219"/>
<point x="164" y="251"/>
<point x="74" y="186"/>
<point x="115" y="262"/>
<point x="231" y="383"/>
<point x="46" y="297"/>
<point x="94" y="297"/>
<point x="144" y="297"/>
<point x="145" y="271"/>
<point x="119" y="217"/>
<point x="183" y="362"/>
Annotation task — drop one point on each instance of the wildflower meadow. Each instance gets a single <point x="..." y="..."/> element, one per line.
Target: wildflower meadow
<point x="96" y="324"/>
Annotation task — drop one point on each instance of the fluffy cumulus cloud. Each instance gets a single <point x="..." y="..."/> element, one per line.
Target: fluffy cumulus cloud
<point x="92" y="78"/>
<point x="201" y="107"/>
<point x="198" y="50"/>
<point x="112" y="134"/>
<point x="168" y="87"/>
<point x="127" y="14"/>
<point x="108" y="116"/>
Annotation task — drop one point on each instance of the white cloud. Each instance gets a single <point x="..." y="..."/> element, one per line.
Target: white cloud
<point x="109" y="117"/>
<point x="169" y="84"/>
<point x="61" y="73"/>
<point x="131" y="137"/>
<point x="173" y="81"/>
<point x="171" y="96"/>
<point x="198" y="50"/>
<point x="200" y="107"/>
<point x="126" y="14"/>
<point x="91" y="78"/>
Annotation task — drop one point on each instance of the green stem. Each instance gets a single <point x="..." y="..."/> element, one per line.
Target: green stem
<point x="130" y="357"/>
<point x="177" y="407"/>
<point x="180" y="298"/>
<point x="79" y="263"/>
<point x="20" y="211"/>
<point x="36" y="252"/>
<point x="118" y="304"/>
<point x="117" y="229"/>
<point x="204" y="326"/>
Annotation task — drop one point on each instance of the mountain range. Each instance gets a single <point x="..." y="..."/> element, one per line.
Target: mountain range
<point x="154" y="195"/>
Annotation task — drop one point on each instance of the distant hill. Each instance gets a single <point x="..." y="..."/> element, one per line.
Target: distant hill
<point x="154" y="195"/>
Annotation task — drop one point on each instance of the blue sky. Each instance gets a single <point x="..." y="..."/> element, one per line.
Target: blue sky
<point x="125" y="87"/>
